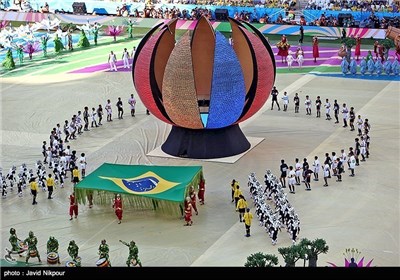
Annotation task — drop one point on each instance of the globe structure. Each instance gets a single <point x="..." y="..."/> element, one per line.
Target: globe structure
<point x="204" y="85"/>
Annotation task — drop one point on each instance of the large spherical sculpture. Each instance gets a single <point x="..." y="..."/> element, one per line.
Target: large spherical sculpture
<point x="203" y="86"/>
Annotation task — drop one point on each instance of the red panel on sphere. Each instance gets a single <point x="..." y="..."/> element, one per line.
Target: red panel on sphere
<point x="266" y="77"/>
<point x="142" y="77"/>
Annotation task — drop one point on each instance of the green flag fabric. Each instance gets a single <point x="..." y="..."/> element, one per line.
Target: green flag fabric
<point x="161" y="188"/>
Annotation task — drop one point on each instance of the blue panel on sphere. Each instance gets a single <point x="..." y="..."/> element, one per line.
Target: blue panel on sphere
<point x="204" y="118"/>
<point x="227" y="86"/>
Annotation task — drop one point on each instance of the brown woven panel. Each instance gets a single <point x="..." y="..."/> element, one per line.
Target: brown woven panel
<point x="242" y="50"/>
<point x="165" y="46"/>
<point x="179" y="93"/>
<point x="203" y="45"/>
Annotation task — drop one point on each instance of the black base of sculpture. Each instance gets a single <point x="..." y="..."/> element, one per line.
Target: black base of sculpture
<point x="205" y="143"/>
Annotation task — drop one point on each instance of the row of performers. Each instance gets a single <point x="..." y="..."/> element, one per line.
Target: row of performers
<point x="379" y="49"/>
<point x="284" y="46"/>
<point x="29" y="247"/>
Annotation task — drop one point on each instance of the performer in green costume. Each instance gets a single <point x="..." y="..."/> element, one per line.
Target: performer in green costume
<point x="104" y="250"/>
<point x="95" y="33"/>
<point x="133" y="253"/>
<point x="20" y="53"/>
<point x="130" y="28"/>
<point x="43" y="42"/>
<point x="31" y="240"/>
<point x="73" y="250"/>
<point x="58" y="45"/>
<point x="52" y="246"/>
<point x="14" y="240"/>
<point x="8" y="62"/>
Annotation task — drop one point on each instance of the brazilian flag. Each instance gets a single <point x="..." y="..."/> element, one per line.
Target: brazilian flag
<point x="161" y="188"/>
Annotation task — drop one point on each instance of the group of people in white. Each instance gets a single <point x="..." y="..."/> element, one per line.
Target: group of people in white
<point x="299" y="58"/>
<point x="334" y="164"/>
<point x="283" y="215"/>
<point x="59" y="160"/>
<point x="126" y="57"/>
<point x="57" y="154"/>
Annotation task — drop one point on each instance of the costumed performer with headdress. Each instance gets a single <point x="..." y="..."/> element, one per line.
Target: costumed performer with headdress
<point x="283" y="48"/>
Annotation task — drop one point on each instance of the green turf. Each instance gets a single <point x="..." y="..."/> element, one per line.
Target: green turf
<point x="69" y="60"/>
<point x="20" y="262"/>
<point x="88" y="57"/>
<point x="327" y="69"/>
<point x="294" y="70"/>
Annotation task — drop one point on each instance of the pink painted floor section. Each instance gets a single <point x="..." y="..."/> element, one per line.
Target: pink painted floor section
<point x="104" y="67"/>
<point x="327" y="56"/>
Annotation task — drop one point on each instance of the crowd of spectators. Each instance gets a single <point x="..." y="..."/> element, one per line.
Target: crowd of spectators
<point x="23" y="6"/>
<point x="237" y="3"/>
<point x="174" y="12"/>
<point x="167" y="13"/>
<point x="17" y="5"/>
<point x="373" y="21"/>
<point x="287" y="16"/>
<point x="354" y="5"/>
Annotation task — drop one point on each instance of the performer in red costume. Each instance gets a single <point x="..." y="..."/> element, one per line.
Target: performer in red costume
<point x="192" y="195"/>
<point x="202" y="189"/>
<point x="315" y="49"/>
<point x="283" y="48"/>
<point x="357" y="51"/>
<point x="73" y="206"/>
<point x="381" y="52"/>
<point x="117" y="205"/>
<point x="188" y="212"/>
<point x="376" y="43"/>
